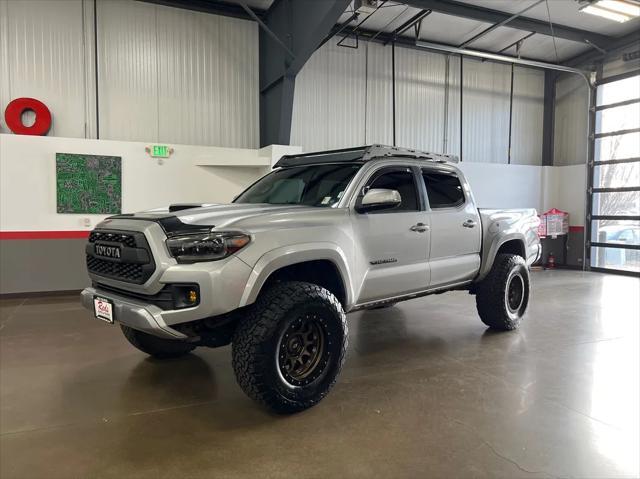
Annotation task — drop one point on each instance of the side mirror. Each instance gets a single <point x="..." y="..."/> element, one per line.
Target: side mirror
<point x="379" y="199"/>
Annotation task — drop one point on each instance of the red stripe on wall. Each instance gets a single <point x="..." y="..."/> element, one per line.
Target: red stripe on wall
<point x="35" y="235"/>
<point x="576" y="229"/>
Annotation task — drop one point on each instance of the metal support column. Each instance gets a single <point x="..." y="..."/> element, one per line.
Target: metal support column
<point x="548" y="117"/>
<point x="461" y="92"/>
<point x="290" y="31"/>
<point x="393" y="88"/>
<point x="510" y="114"/>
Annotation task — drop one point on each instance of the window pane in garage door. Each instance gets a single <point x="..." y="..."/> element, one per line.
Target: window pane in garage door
<point x="619" y="118"/>
<point x="618" y="147"/>
<point x="616" y="232"/>
<point x="616" y="175"/>
<point x="616" y="258"/>
<point x="625" y="203"/>
<point x="617" y="91"/>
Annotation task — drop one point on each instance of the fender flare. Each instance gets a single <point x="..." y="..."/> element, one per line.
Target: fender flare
<point x="289" y="255"/>
<point x="489" y="254"/>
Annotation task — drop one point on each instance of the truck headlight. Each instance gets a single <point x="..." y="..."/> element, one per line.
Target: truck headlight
<point x="206" y="246"/>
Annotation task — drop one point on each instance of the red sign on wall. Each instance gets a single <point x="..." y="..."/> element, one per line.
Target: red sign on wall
<point x="13" y="117"/>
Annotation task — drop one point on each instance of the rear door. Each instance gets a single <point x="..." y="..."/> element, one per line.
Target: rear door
<point x="455" y="228"/>
<point x="393" y="244"/>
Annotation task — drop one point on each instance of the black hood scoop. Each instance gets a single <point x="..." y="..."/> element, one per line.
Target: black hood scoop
<point x="184" y="206"/>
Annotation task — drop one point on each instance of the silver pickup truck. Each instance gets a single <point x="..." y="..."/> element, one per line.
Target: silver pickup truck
<point x="275" y="271"/>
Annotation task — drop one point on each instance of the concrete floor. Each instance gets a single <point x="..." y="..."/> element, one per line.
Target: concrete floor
<point x="427" y="391"/>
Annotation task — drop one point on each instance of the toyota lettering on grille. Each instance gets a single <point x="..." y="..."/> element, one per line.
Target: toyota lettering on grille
<point x="108" y="251"/>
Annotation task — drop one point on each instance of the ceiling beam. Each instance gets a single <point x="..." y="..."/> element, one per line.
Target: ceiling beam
<point x="388" y="37"/>
<point x="487" y="15"/>
<point x="216" y="7"/>
<point x="495" y="26"/>
<point x="594" y="56"/>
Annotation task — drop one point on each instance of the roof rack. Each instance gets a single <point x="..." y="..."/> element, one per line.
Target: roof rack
<point x="361" y="154"/>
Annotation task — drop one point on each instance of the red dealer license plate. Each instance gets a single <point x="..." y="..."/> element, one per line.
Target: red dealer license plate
<point x="103" y="309"/>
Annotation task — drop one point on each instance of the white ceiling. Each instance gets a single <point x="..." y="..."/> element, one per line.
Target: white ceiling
<point x="564" y="12"/>
<point x="454" y="30"/>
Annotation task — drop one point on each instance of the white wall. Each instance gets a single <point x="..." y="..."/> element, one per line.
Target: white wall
<point x="343" y="97"/>
<point x="164" y="74"/>
<point x="192" y="174"/>
<point x="506" y="186"/>
<point x="565" y="189"/>
<point x="211" y="174"/>
<point x="524" y="186"/>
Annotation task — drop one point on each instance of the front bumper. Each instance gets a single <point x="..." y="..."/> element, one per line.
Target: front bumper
<point x="136" y="315"/>
<point x="221" y="286"/>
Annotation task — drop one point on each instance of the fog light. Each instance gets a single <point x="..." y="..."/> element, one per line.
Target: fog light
<point x="192" y="296"/>
<point x="185" y="295"/>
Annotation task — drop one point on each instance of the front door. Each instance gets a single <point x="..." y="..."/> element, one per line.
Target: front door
<point x="393" y="245"/>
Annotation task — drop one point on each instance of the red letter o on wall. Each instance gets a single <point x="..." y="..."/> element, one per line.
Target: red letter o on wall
<point x="13" y="116"/>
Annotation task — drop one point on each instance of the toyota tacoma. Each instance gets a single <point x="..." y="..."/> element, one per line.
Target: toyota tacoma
<point x="275" y="271"/>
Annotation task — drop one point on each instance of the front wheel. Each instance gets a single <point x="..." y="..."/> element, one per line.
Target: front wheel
<point x="502" y="297"/>
<point x="288" y="352"/>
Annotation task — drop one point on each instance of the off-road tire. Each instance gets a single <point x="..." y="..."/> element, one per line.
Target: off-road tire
<point x="258" y="343"/>
<point x="157" y="347"/>
<point x="497" y="309"/>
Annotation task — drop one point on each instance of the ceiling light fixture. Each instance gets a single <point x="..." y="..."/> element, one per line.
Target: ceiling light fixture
<point x="616" y="10"/>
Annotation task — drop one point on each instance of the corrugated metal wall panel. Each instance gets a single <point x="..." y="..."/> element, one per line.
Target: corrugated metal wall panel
<point x="329" y="99"/>
<point x="379" y="106"/>
<point x="528" y="109"/>
<point x="451" y="142"/>
<point x="328" y="103"/>
<point x="128" y="71"/>
<point x="207" y="79"/>
<point x="239" y="87"/>
<point x="571" y="121"/>
<point x="177" y="76"/>
<point x="5" y="93"/>
<point x="188" y="105"/>
<point x="420" y="94"/>
<point x="485" y="102"/>
<point x="42" y="46"/>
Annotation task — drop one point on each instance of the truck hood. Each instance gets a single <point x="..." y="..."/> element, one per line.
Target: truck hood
<point x="239" y="216"/>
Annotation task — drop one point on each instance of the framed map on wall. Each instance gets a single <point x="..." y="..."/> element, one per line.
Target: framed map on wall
<point x="88" y="184"/>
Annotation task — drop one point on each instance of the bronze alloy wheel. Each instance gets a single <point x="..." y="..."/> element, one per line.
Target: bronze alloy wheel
<point x="515" y="293"/>
<point x="302" y="351"/>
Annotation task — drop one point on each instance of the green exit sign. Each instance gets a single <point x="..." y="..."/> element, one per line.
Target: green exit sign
<point x="160" y="151"/>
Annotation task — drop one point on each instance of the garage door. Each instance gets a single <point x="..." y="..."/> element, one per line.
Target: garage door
<point x="615" y="177"/>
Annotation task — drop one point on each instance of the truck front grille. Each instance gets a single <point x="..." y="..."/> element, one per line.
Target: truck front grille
<point x="124" y="238"/>
<point x="131" y="273"/>
<point x="133" y="262"/>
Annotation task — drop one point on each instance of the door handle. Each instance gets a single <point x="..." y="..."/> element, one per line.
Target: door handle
<point x="469" y="224"/>
<point x="419" y="228"/>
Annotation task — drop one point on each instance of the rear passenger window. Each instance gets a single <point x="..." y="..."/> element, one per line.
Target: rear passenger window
<point x="443" y="189"/>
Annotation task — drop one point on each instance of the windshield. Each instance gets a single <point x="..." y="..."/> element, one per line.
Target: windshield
<point x="314" y="185"/>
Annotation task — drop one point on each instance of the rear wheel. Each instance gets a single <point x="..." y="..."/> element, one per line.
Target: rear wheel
<point x="502" y="297"/>
<point x="157" y="347"/>
<point x="288" y="352"/>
